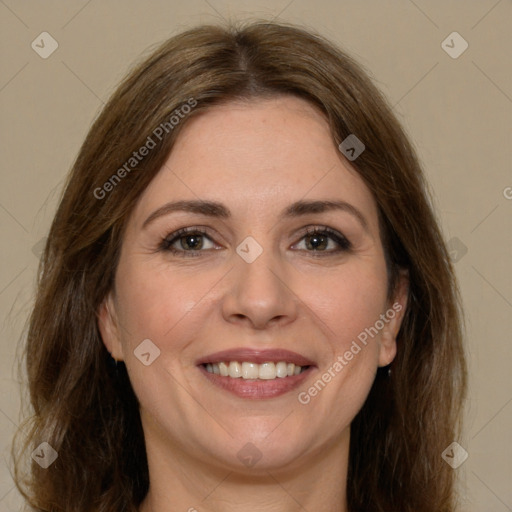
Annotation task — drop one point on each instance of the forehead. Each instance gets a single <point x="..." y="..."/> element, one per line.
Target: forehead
<point x="257" y="156"/>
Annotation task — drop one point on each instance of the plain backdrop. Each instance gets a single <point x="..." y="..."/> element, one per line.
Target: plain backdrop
<point x="457" y="112"/>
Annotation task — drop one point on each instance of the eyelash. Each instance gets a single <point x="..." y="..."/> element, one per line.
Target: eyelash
<point x="343" y="243"/>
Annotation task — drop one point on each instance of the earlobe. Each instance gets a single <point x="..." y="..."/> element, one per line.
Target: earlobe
<point x="395" y="315"/>
<point x="109" y="329"/>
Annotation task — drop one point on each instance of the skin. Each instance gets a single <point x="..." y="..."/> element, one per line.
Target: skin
<point x="256" y="158"/>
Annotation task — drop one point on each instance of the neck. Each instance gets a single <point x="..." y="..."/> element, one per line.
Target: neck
<point x="180" y="482"/>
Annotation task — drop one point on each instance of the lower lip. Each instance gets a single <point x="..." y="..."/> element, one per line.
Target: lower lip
<point x="256" y="388"/>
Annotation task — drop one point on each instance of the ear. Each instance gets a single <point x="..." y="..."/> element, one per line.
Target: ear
<point x="109" y="327"/>
<point x="393" y="320"/>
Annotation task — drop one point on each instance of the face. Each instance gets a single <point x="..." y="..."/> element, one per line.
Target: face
<point x="268" y="282"/>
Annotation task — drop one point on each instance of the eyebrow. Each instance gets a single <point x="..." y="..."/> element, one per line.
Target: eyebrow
<point x="215" y="209"/>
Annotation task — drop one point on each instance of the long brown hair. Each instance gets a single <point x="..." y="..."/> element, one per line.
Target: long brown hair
<point x="84" y="406"/>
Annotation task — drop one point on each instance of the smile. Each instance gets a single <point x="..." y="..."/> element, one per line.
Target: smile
<point x="256" y="373"/>
<point x="248" y="370"/>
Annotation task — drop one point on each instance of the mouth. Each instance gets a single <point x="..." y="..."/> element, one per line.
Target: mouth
<point x="250" y="370"/>
<point x="256" y="374"/>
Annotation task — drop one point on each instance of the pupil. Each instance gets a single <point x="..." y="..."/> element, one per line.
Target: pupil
<point x="195" y="241"/>
<point x="314" y="241"/>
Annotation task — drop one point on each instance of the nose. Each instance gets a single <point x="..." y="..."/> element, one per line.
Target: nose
<point x="260" y="294"/>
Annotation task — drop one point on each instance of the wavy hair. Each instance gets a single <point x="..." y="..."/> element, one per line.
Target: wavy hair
<point x="85" y="407"/>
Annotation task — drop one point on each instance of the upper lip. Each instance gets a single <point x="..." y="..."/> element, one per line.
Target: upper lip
<point x="256" y="356"/>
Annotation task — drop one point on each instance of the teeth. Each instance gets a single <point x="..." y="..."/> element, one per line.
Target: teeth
<point x="281" y="369"/>
<point x="235" y="370"/>
<point x="224" y="371"/>
<point x="248" y="370"/>
<point x="267" y="371"/>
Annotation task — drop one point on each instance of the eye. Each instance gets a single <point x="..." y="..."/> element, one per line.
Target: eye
<point x="190" y="242"/>
<point x="186" y="242"/>
<point x="319" y="239"/>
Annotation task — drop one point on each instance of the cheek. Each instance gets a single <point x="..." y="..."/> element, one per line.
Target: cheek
<point x="351" y="309"/>
<point x="349" y="302"/>
<point x="154" y="303"/>
<point x="157" y="303"/>
<point x="164" y="307"/>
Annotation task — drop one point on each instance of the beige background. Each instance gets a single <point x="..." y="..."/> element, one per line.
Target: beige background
<point x="457" y="112"/>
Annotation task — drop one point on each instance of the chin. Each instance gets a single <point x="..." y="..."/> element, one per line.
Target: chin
<point x="266" y="446"/>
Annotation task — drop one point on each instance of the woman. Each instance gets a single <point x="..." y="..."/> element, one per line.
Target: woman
<point x="247" y="233"/>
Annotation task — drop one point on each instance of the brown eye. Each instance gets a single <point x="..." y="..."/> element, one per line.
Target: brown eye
<point x="319" y="240"/>
<point x="186" y="240"/>
<point x="193" y="241"/>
